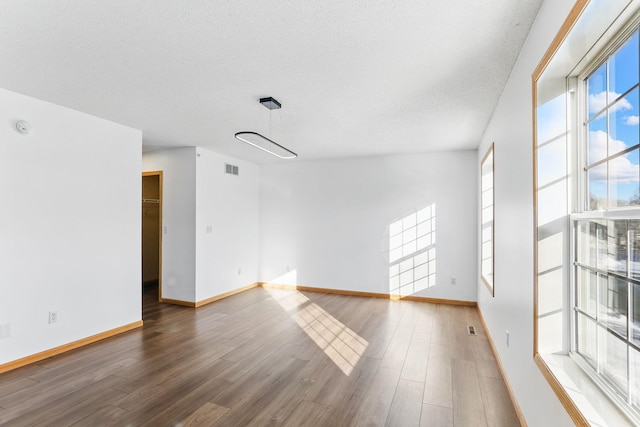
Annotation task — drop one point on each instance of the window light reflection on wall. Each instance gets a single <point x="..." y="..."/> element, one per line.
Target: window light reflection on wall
<point x="412" y="252"/>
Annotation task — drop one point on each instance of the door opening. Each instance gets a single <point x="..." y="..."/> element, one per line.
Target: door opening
<point x="152" y="235"/>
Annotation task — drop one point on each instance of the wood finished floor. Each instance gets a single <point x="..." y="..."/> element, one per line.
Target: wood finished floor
<point x="272" y="358"/>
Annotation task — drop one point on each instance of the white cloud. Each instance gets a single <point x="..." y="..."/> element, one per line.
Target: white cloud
<point x="632" y="120"/>
<point x="622" y="170"/>
<point x="599" y="100"/>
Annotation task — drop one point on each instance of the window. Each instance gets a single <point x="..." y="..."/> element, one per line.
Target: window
<point x="606" y="274"/>
<point x="486" y="219"/>
<point x="587" y="213"/>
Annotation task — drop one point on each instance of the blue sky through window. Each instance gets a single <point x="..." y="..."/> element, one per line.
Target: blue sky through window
<point x="613" y="128"/>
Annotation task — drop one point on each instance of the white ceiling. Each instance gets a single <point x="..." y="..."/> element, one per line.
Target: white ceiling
<point x="355" y="78"/>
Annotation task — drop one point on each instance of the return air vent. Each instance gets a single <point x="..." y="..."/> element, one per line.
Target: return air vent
<point x="471" y="330"/>
<point x="231" y="169"/>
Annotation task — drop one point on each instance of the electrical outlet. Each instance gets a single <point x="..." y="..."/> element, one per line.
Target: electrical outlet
<point x="53" y="317"/>
<point x="453" y="280"/>
<point x="239" y="271"/>
<point x="209" y="228"/>
<point x="507" y="333"/>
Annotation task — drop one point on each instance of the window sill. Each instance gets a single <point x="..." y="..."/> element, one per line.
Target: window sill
<point x="585" y="396"/>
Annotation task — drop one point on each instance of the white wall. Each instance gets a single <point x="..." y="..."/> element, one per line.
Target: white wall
<point x="69" y="225"/>
<point x="512" y="308"/>
<point x="327" y="222"/>
<point x="178" y="168"/>
<point x="196" y="264"/>
<point x="227" y="256"/>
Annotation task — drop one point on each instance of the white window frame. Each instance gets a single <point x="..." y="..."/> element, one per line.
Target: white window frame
<point x="577" y="118"/>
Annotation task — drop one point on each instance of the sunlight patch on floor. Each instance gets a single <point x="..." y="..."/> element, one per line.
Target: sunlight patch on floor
<point x="342" y="345"/>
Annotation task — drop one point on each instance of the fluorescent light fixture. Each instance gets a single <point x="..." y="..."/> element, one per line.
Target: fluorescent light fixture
<point x="265" y="144"/>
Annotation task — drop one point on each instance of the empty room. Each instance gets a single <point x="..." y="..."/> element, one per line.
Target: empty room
<point x="399" y="213"/>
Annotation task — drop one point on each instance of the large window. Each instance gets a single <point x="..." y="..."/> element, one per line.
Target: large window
<point x="587" y="213"/>
<point x="606" y="226"/>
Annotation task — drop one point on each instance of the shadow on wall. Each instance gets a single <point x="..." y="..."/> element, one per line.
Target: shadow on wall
<point x="412" y="253"/>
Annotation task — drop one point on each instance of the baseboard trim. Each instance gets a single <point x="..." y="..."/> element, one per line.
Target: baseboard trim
<point x="178" y="302"/>
<point x="209" y="300"/>
<point x="434" y="300"/>
<point x="68" y="347"/>
<point x="226" y="294"/>
<point x="369" y="294"/>
<point x="512" y="396"/>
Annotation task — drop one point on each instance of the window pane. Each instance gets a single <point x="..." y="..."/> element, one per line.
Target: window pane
<point x="617" y="246"/>
<point x="635" y="377"/>
<point x="634" y="242"/>
<point x="598" y="187"/>
<point x="623" y="67"/>
<point x="587" y="291"/>
<point x="613" y="358"/>
<point x="623" y="123"/>
<point x="597" y="90"/>
<point x="587" y="339"/>
<point x="635" y="319"/>
<point x="613" y="304"/>
<point x="602" y="261"/>
<point x="586" y="248"/>
<point x="597" y="138"/>
<point x="623" y="180"/>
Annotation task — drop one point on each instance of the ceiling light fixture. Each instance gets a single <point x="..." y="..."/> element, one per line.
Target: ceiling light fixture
<point x="263" y="143"/>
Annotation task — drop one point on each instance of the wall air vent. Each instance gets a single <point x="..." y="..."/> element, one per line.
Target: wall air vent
<point x="231" y="169"/>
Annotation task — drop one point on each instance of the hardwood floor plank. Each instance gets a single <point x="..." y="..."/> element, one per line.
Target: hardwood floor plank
<point x="497" y="403"/>
<point x="252" y="360"/>
<point x="407" y="404"/>
<point x="103" y="416"/>
<point x="181" y="407"/>
<point x="485" y="361"/>
<point x="278" y="408"/>
<point x="332" y="387"/>
<point x="438" y="384"/>
<point x="442" y="329"/>
<point x="206" y="415"/>
<point x="417" y="360"/>
<point x="374" y="408"/>
<point x="436" y="416"/>
<point x="396" y="352"/>
<point x="56" y="408"/>
<point x="309" y="414"/>
<point x="468" y="407"/>
<point x="248" y="403"/>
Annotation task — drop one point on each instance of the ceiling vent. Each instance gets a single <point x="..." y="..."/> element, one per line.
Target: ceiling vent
<point x="231" y="169"/>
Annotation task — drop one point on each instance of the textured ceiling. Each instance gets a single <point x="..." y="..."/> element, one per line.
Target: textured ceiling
<point x="355" y="78"/>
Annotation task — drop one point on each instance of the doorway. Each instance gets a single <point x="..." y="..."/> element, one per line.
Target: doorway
<point x="151" y="236"/>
